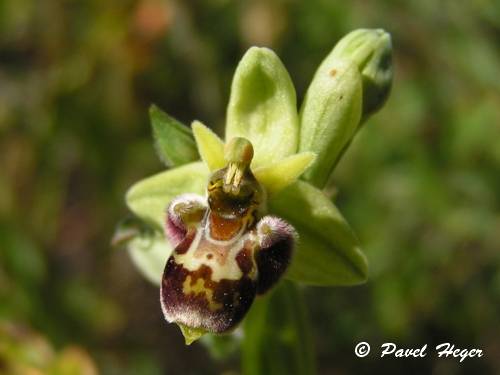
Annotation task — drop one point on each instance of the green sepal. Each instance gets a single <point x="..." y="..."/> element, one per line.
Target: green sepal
<point x="149" y="198"/>
<point x="149" y="253"/>
<point x="174" y="142"/>
<point x="328" y="252"/>
<point x="147" y="247"/>
<point x="262" y="107"/>
<point x="127" y="229"/>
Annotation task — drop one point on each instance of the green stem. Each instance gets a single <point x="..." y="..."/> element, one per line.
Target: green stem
<point x="277" y="335"/>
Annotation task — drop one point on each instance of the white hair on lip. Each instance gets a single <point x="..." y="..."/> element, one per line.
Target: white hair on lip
<point x="271" y="229"/>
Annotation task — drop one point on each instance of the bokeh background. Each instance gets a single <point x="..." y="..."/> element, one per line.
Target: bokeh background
<point x="420" y="183"/>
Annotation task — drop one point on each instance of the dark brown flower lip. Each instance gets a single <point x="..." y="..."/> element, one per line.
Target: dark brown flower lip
<point x="219" y="264"/>
<point x="193" y="299"/>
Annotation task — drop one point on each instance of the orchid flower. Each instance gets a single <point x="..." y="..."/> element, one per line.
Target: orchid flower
<point x="230" y="217"/>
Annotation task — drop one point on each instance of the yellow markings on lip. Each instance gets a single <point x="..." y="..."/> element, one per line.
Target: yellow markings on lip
<point x="199" y="288"/>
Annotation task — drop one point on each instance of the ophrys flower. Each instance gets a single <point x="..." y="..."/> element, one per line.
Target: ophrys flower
<point x="233" y="234"/>
<point x="224" y="253"/>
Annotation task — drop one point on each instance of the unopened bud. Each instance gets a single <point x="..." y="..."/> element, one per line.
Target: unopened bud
<point x="352" y="83"/>
<point x="371" y="51"/>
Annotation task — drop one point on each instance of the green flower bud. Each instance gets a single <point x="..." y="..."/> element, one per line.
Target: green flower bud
<point x="330" y="115"/>
<point x="371" y="51"/>
<point x="352" y="83"/>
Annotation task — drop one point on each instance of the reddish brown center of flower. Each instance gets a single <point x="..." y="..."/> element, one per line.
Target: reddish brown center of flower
<point x="222" y="229"/>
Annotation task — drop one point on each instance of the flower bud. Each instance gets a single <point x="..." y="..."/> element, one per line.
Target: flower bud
<point x="371" y="51"/>
<point x="330" y="115"/>
<point x="352" y="83"/>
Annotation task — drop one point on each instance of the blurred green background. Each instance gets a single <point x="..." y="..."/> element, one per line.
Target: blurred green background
<point x="420" y="183"/>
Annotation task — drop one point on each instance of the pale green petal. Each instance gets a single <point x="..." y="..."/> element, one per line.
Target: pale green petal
<point x="328" y="252"/>
<point x="148" y="198"/>
<point x="150" y="254"/>
<point x="276" y="176"/>
<point x="210" y="146"/>
<point x="262" y="107"/>
<point x="330" y="115"/>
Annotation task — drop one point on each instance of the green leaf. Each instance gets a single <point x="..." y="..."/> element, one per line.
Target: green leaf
<point x="330" y="115"/>
<point x="328" y="251"/>
<point x="277" y="335"/>
<point x="174" y="141"/>
<point x="149" y="252"/>
<point x="148" y="198"/>
<point x="210" y="146"/>
<point x="262" y="107"/>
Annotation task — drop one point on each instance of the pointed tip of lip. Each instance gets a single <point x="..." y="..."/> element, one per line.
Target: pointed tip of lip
<point x="191" y="334"/>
